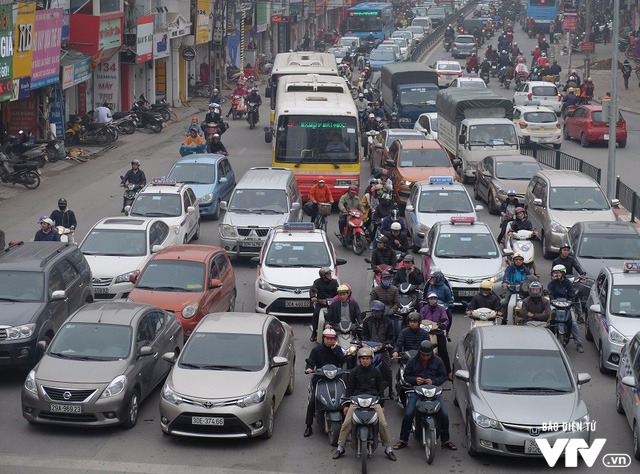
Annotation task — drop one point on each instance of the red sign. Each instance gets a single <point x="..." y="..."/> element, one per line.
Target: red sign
<point x="24" y="115"/>
<point x="89" y="33"/>
<point x="586" y="46"/>
<point x="570" y="22"/>
<point x="82" y="98"/>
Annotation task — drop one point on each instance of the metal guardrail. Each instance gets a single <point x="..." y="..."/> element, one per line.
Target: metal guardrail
<point x="628" y="198"/>
<point x="559" y="160"/>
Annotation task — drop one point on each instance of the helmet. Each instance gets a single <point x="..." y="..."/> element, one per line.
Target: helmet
<point x="194" y="120"/>
<point x="511" y="192"/>
<point x="384" y="172"/>
<point x="376" y="104"/>
<point x="396" y="226"/>
<point x="365" y="352"/>
<point x="565" y="245"/>
<point x="62" y="201"/>
<point x="323" y="271"/>
<point x="570" y="90"/>
<point x="386" y="197"/>
<point x="589" y="79"/>
<point x="504" y="51"/>
<point x="519" y="209"/>
<point x="212" y="105"/>
<point x="360" y="94"/>
<point x="378" y="187"/>
<point x="372" y="181"/>
<point x="521" y="60"/>
<point x="215" y="91"/>
<point x="544" y="55"/>
<point x="395" y="215"/>
<point x="432" y="294"/>
<point x="414" y="316"/>
<point x="486" y="285"/>
<point x="372" y="116"/>
<point x="329" y="333"/>
<point x="515" y="44"/>
<point x="377" y="305"/>
<point x="426" y="348"/>
<point x="385" y="275"/>
<point x="559" y="268"/>
<point x="394" y="115"/>
<point x="518" y="255"/>
<point x="353" y="188"/>
<point x="43" y="219"/>
<point x="408" y="258"/>
<point x="474" y="55"/>
<point x="383" y="240"/>
<point x="537" y="286"/>
<point x="215" y="135"/>
<point x="135" y="162"/>
<point x="343" y="289"/>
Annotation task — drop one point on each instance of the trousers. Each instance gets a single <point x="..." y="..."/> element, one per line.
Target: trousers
<point x="385" y="436"/>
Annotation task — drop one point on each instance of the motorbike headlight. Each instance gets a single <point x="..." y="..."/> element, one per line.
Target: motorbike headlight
<point x="485" y="422"/>
<point x="525" y="247"/>
<point x="207" y="198"/>
<point x="331" y="374"/>
<point x="124" y="278"/>
<point x="428" y="392"/>
<point x="175" y="229"/>
<point x="170" y="396"/>
<point x="253" y="399"/>
<point x="557" y="227"/>
<point x="20" y="332"/>
<point x="406" y="183"/>
<point x="30" y="382"/>
<point x="227" y="231"/>
<point x="266" y="286"/>
<point x="352" y="350"/>
<point x="365" y="402"/>
<point x="190" y="310"/>
<point x="616" y="337"/>
<point x="115" y="387"/>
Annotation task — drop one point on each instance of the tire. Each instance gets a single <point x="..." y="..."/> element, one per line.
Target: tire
<point x="291" y="387"/>
<point x="232" y="302"/>
<point x="546" y="253"/>
<point x="430" y="446"/>
<point x="629" y="53"/>
<point x="334" y="433"/>
<point x="70" y="138"/>
<point x="196" y="235"/>
<point x="104" y="137"/>
<point x="472" y="452"/>
<point x="557" y="146"/>
<point x="636" y="440"/>
<point x="622" y="144"/>
<point x="619" y="407"/>
<point x="30" y="180"/>
<point x="156" y="127"/>
<point x="133" y="409"/>
<point x="455" y="400"/>
<point x="270" y="423"/>
<point x="601" y="367"/>
<point x="128" y="128"/>
<point x="476" y="194"/>
<point x="363" y="455"/>
<point x="234" y="116"/>
<point x="584" y="143"/>
<point x="588" y="335"/>
<point x="166" y="115"/>
<point x="216" y="215"/>
<point x="115" y="133"/>
<point x="565" y="133"/>
<point x="490" y="204"/>
<point x="52" y="155"/>
<point x="360" y="244"/>
<point x="414" y="247"/>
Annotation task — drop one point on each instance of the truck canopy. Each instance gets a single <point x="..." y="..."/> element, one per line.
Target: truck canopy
<point x="408" y="72"/>
<point x="459" y="104"/>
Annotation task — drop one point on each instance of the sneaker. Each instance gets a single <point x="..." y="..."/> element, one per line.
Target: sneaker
<point x="308" y="432"/>
<point x="579" y="348"/>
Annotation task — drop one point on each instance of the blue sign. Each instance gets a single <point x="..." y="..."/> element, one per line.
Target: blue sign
<point x="299" y="226"/>
<point x="65" y="26"/>
<point x="440" y="179"/>
<point x="56" y="114"/>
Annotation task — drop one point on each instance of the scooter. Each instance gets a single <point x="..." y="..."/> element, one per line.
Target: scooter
<point x="200" y="88"/>
<point x="130" y="192"/>
<point x="425" y="426"/>
<point x="89" y="133"/>
<point x="409" y="299"/>
<point x="161" y="108"/>
<point x="507" y="83"/>
<point x="252" y="114"/>
<point x="401" y="385"/>
<point x="561" y="319"/>
<point x="65" y="234"/>
<point x="192" y="150"/>
<point x="481" y="317"/>
<point x="447" y="44"/>
<point x="148" y="120"/>
<point x="354" y="235"/>
<point x="370" y="141"/>
<point x="521" y="78"/>
<point x="329" y="393"/>
<point x="365" y="426"/>
<point x="238" y="107"/>
<point x="431" y="327"/>
<point x="348" y="339"/>
<point x="125" y="122"/>
<point x="26" y="174"/>
<point x="494" y="68"/>
<point x="210" y="129"/>
<point x="20" y="151"/>
<point x="521" y="242"/>
<point x="485" y="77"/>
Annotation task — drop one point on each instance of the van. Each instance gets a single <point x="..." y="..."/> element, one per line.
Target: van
<point x="264" y="198"/>
<point x="423" y="21"/>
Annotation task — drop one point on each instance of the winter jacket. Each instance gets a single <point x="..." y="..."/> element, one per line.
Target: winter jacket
<point x="480" y="301"/>
<point x="409" y="339"/>
<point x="65" y="219"/>
<point x="434" y="370"/>
<point x="442" y="290"/>
<point x="539" y="306"/>
<point x="518" y="224"/>
<point x="135" y="177"/>
<point x="386" y="256"/>
<point x="415" y="277"/>
<point x="570" y="263"/>
<point x="323" y="289"/>
<point x="401" y="238"/>
<point x="51" y="236"/>
<point x="514" y="275"/>
<point x="390" y="296"/>
<point x="365" y="380"/>
<point x="322" y="355"/>
<point x="382" y="326"/>
<point x="320" y="193"/>
<point x="348" y="203"/>
<point x="437" y="315"/>
<point x="561" y="289"/>
<point x="334" y="312"/>
<point x="506" y="203"/>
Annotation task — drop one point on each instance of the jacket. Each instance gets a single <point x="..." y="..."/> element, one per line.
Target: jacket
<point x="415" y="277"/>
<point x="320" y="193"/>
<point x="382" y="211"/>
<point x="626" y="70"/>
<point x="514" y="275"/>
<point x="402" y="239"/>
<point x="390" y="296"/>
<point x="135" y="177"/>
<point x="570" y="263"/>
<point x="194" y="141"/>
<point x="540" y="308"/>
<point x="561" y="289"/>
<point x="254" y="98"/>
<point x="570" y="99"/>
<point x="65" y="219"/>
<point x="409" y="340"/>
<point x="216" y="147"/>
<point x="437" y="315"/>
<point x="386" y="256"/>
<point x="365" y="380"/>
<point x="382" y="326"/>
<point x="434" y="370"/>
<point x="480" y="301"/>
<point x="506" y="203"/>
<point x="51" y="236"/>
<point x="518" y="224"/>
<point x="334" y="312"/>
<point x="323" y="289"/>
<point x="385" y="225"/>
<point x="442" y="290"/>
<point x="322" y="355"/>
<point x="347" y="203"/>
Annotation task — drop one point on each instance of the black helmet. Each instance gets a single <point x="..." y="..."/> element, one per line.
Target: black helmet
<point x="565" y="245"/>
<point x="426" y="348"/>
<point x="62" y="202"/>
<point x="383" y="240"/>
<point x="414" y="316"/>
<point x="395" y="215"/>
<point x="323" y="271"/>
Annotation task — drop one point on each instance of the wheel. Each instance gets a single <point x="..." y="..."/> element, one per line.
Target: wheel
<point x="156" y="127"/>
<point x="619" y="407"/>
<point x="269" y="423"/>
<point x="465" y="179"/>
<point x="583" y="141"/>
<point x="291" y="386"/>
<point x="601" y="367"/>
<point x="166" y="115"/>
<point x="588" y="335"/>
<point x="363" y="455"/>
<point x="104" y="137"/>
<point x="196" y="235"/>
<point x="472" y="452"/>
<point x="622" y="144"/>
<point x="31" y="180"/>
<point x="455" y="400"/>
<point x="132" y="410"/>
<point x="565" y="133"/>
<point x="476" y="194"/>
<point x="636" y="440"/>
<point x="234" y="116"/>
<point x="52" y="155"/>
<point x="430" y="446"/>
<point x="360" y="244"/>
<point x="629" y="53"/>
<point x="414" y="247"/>
<point x="491" y="204"/>
<point x="71" y="138"/>
<point x="546" y="253"/>
<point x="216" y="214"/>
<point x="127" y="127"/>
<point x="557" y="146"/>
<point x="115" y="133"/>
<point x="334" y="433"/>
<point x="232" y="302"/>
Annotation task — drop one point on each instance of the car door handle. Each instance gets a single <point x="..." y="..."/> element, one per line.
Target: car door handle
<point x="457" y="356"/>
<point x="171" y="338"/>
<point x="155" y="356"/>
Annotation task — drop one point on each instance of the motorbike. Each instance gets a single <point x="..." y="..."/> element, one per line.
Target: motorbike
<point x="319" y="46"/>
<point x="507" y="83"/>
<point x="353" y="235"/>
<point x="401" y="385"/>
<point x="19" y="150"/>
<point x="200" y="88"/>
<point x="65" y="234"/>
<point x="365" y="426"/>
<point x="329" y="393"/>
<point x="566" y="111"/>
<point x="192" y="150"/>
<point x="152" y="121"/>
<point x="82" y="132"/>
<point x="481" y="317"/>
<point x="561" y="319"/>
<point x="26" y="174"/>
<point x="348" y="340"/>
<point x="494" y="68"/>
<point x="161" y="108"/>
<point x="447" y="42"/>
<point x="425" y="424"/>
<point x="125" y="122"/>
<point x="210" y="129"/>
<point x="238" y="107"/>
<point x="485" y="77"/>
<point x="521" y="242"/>
<point x="521" y="78"/>
<point x="130" y="192"/>
<point x="252" y="114"/>
<point x="431" y="327"/>
<point x="409" y="299"/>
<point x="378" y="270"/>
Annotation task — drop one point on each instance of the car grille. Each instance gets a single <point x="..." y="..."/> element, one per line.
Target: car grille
<point x="515" y="448"/>
<point x="232" y="425"/>
<point x="71" y="417"/>
<point x="293" y="289"/>
<point x="537" y="428"/>
<point x="259" y="232"/>
<point x="3" y="333"/>
<point x="57" y="394"/>
<point x="468" y="281"/>
<point x="203" y="402"/>
<point x="104" y="296"/>
<point x="102" y="281"/>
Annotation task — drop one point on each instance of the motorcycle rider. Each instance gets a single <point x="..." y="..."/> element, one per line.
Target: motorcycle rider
<point x="485" y="298"/>
<point x="344" y="308"/>
<point x="216" y="97"/>
<point x="542" y="60"/>
<point x="134" y="176"/>
<point x="570" y="263"/>
<point x="534" y="306"/>
<point x="485" y="67"/>
<point x="370" y="200"/>
<point x="348" y="201"/>
<point x="379" y="328"/>
<point x="432" y="311"/>
<point x="327" y="353"/>
<point x="534" y="75"/>
<point x="213" y="116"/>
<point x="408" y="272"/>
<point x="535" y="54"/>
<point x="393" y="121"/>
<point x="388" y="221"/>
<point x="398" y="242"/>
<point x="364" y="379"/>
<point x="586" y="91"/>
<point x="254" y="96"/>
<point x="216" y="146"/>
<point x="521" y="68"/>
<point x="371" y="125"/>
<point x="508" y="211"/>
<point x="238" y="91"/>
<point x="569" y="100"/>
<point x="194" y="141"/>
<point x="520" y="221"/>
<point x="64" y="217"/>
<point x="319" y="192"/>
<point x="555" y="68"/>
<point x="425" y="368"/>
<point x="438" y="283"/>
<point x="560" y="287"/>
<point x="46" y="233"/>
<point x="323" y="288"/>
<point x="410" y="337"/>
<point x="513" y="275"/>
<point x="377" y="111"/>
<point x="472" y="63"/>
<point x="385" y="181"/>
<point x="383" y="254"/>
<point x="449" y="34"/>
<point x="361" y="105"/>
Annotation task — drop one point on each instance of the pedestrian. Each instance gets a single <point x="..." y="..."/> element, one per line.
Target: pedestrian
<point x="606" y="33"/>
<point x="626" y="73"/>
<point x="552" y="28"/>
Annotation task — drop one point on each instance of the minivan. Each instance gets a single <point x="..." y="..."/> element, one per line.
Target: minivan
<point x="264" y="198"/>
<point x="423" y="21"/>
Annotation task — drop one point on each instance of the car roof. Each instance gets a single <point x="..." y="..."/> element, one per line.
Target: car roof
<point x="164" y="188"/>
<point x="610" y="227"/>
<point x="265" y="178"/>
<point x="420" y="144"/>
<point x="110" y="312"/>
<point x="32" y="256"/>
<point x="129" y="223"/>
<point x="191" y="252"/>
<point x="464" y="36"/>
<point x="470" y="79"/>
<point x="478" y="227"/>
<point x="209" y="158"/>
<point x="516" y="338"/>
<point x="592" y="108"/>
<point x="281" y="235"/>
<point x="621" y="277"/>
<point x="448" y="61"/>
<point x="566" y="177"/>
<point x="234" y="323"/>
<point x="541" y="83"/>
<point x="427" y="186"/>
<point x="394" y="132"/>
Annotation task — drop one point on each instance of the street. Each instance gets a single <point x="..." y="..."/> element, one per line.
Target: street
<point x="92" y="192"/>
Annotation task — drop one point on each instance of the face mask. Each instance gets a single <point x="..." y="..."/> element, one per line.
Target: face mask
<point x="62" y="208"/>
<point x="377" y="314"/>
<point x="386" y="283"/>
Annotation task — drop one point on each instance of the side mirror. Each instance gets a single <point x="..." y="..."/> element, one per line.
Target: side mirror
<point x="408" y="208"/>
<point x="223" y="205"/>
<point x="595" y="308"/>
<point x="340" y="261"/>
<point x="461" y="140"/>
<point x="583" y="378"/>
<point x="537" y="202"/>
<point x="58" y="295"/>
<point x="424" y="251"/>
<point x="215" y="283"/>
<point x="146" y="351"/>
<point x="191" y="209"/>
<point x="457" y="162"/>
<point x="278" y="361"/>
<point x="255" y="261"/>
<point x="169" y="357"/>
<point x="295" y="206"/>
<point x="628" y="381"/>
<point x="41" y="346"/>
<point x="479" y="208"/>
<point x="615" y="202"/>
<point x="156" y="248"/>
<point x="223" y="180"/>
<point x="133" y="277"/>
<point x="462" y="375"/>
<point x="507" y="252"/>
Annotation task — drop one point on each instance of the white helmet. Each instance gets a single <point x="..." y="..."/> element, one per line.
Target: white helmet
<point x="396" y="226"/>
<point x="329" y="333"/>
<point x="544" y="55"/>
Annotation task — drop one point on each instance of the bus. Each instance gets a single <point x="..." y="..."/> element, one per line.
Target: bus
<point x="543" y="13"/>
<point x="303" y="62"/>
<point x="375" y="18"/>
<point x="318" y="134"/>
<point x="312" y="83"/>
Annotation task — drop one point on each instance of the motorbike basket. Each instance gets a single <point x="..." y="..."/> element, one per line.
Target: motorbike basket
<point x="324" y="208"/>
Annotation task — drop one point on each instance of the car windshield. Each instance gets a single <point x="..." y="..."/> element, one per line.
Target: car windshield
<point x="434" y="124"/>
<point x="382" y="55"/>
<point x="115" y="242"/>
<point x="466" y="246"/>
<point x="194" y="173"/>
<point x="441" y="201"/>
<point x="423" y="157"/>
<point x="221" y="351"/>
<point x="172" y="275"/>
<point x="157" y="205"/>
<point x="524" y="370"/>
<point x="610" y="246"/>
<point x="340" y="52"/>
<point x="517" y="170"/>
<point x="351" y="43"/>
<point x="448" y="67"/>
<point x="259" y="201"/>
<point x="540" y="117"/>
<point x="91" y="341"/>
<point x="418" y="30"/>
<point x="492" y="135"/>
<point x="17" y="286"/>
<point x="625" y="301"/>
<point x="544" y="91"/>
<point x="420" y="22"/>
<point x="298" y="254"/>
<point x="576" y="199"/>
<point x="418" y="96"/>
<point x="464" y="39"/>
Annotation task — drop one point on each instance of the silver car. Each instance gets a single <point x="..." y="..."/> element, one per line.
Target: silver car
<point x="464" y="45"/>
<point x="514" y="386"/>
<point x="628" y="388"/>
<point x="231" y="377"/>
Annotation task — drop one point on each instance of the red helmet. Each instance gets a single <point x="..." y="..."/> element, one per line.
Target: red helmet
<point x="353" y="188"/>
<point x="194" y="120"/>
<point x="519" y="209"/>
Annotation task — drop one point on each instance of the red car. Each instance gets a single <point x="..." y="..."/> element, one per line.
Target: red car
<point x="585" y="124"/>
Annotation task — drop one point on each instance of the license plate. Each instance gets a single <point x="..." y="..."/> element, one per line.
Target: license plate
<point x="531" y="447"/>
<point x="606" y="136"/>
<point x="297" y="304"/>
<point x="101" y="290"/>
<point x="66" y="408"/>
<point x="249" y="243"/>
<point x="467" y="292"/>
<point x="207" y="420"/>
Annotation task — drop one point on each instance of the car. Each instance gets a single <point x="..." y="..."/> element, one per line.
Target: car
<point x="424" y="22"/>
<point x="514" y="385"/>
<point x="496" y="175"/>
<point x="437" y="15"/>
<point x="418" y="33"/>
<point x="173" y="203"/>
<point x="463" y="46"/>
<point x="386" y="138"/>
<point x="537" y="124"/>
<point x="613" y="312"/>
<point x="469" y="25"/>
<point x="628" y="388"/>
<point x="210" y="177"/>
<point x="339" y="52"/>
<point x="466" y="252"/>
<point x="471" y="81"/>
<point x="407" y="34"/>
<point x="556" y="199"/>
<point x="436" y="199"/>
<point x="117" y="247"/>
<point x="380" y="57"/>
<point x="447" y="70"/>
<point x="391" y="45"/>
<point x="230" y="378"/>
<point x="264" y="198"/>
<point x="546" y="93"/>
<point x="351" y="42"/>
<point x="41" y="284"/>
<point x="410" y="161"/>
<point x="403" y="44"/>
<point x="101" y="365"/>
<point x="427" y="124"/>
<point x="188" y="280"/>
<point x="288" y="265"/>
<point x="587" y="124"/>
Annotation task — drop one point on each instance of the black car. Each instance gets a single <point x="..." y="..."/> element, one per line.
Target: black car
<point x="41" y="284"/>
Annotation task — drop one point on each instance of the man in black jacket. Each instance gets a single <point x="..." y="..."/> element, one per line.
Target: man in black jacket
<point x="364" y="379"/>
<point x="507" y="211"/>
<point x="570" y="263"/>
<point x="324" y="288"/>
<point x="134" y="176"/>
<point x="408" y="272"/>
<point x="411" y="337"/>
<point x="383" y="254"/>
<point x="328" y="353"/>
<point x="379" y="328"/>
<point x="345" y="308"/>
<point x="485" y="298"/>
<point x="64" y="217"/>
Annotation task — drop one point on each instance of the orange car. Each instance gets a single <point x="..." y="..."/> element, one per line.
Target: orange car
<point x="410" y="161"/>
<point x="188" y="280"/>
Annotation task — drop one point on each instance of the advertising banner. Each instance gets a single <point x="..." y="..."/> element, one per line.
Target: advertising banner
<point x="111" y="33"/>
<point x="23" y="115"/>
<point x="144" y="35"/>
<point x="64" y="4"/>
<point x="202" y="21"/>
<point x="75" y="73"/>
<point x="107" y="78"/>
<point x="6" y="51"/>
<point x="23" y="53"/>
<point x="56" y="115"/>
<point x="161" y="45"/>
<point x="45" y="68"/>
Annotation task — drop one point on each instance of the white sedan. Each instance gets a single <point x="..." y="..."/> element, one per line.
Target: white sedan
<point x="537" y="124"/>
<point x="545" y="93"/>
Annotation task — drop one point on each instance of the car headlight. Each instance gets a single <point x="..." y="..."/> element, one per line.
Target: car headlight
<point x="115" y="387"/>
<point x="227" y="231"/>
<point x="557" y="227"/>
<point x="406" y="183"/>
<point x="124" y="278"/>
<point x="175" y="229"/>
<point x="423" y="228"/>
<point x="500" y="190"/>
<point x="206" y="198"/>
<point x="485" y="422"/>
<point x="30" y="382"/>
<point x="266" y="286"/>
<point x="616" y="337"/>
<point x="20" y="332"/>
<point x="253" y="399"/>
<point x="190" y="310"/>
<point x="170" y="396"/>
<point x="581" y="424"/>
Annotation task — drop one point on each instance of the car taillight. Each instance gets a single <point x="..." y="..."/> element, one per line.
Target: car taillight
<point x="459" y="73"/>
<point x="475" y="45"/>
<point x="589" y="123"/>
<point x="530" y="96"/>
<point x="523" y="125"/>
<point x="559" y="98"/>
<point x="454" y="45"/>
<point x="438" y="73"/>
<point x="557" y="124"/>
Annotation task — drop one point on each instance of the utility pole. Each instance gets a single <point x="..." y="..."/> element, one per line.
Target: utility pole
<point x="587" y="38"/>
<point x="613" y="104"/>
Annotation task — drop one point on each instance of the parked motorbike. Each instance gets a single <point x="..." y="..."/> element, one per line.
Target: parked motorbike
<point x="425" y="426"/>
<point x="329" y="394"/>
<point x="161" y="108"/>
<point x="130" y="192"/>
<point x="26" y="174"/>
<point x="152" y="121"/>
<point x="80" y="131"/>
<point x="19" y="150"/>
<point x="561" y="317"/>
<point x="200" y="88"/>
<point x="125" y="122"/>
<point x="483" y="317"/>
<point x="252" y="114"/>
<point x="353" y="235"/>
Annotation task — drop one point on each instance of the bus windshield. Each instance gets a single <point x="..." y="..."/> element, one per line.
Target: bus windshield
<point x="361" y="22"/>
<point x="316" y="139"/>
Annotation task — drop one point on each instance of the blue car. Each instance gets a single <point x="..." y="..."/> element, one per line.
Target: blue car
<point x="380" y="57"/>
<point x="211" y="178"/>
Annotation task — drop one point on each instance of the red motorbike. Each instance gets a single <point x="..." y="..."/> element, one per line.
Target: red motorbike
<point x="238" y="107"/>
<point x="353" y="235"/>
<point x="210" y="129"/>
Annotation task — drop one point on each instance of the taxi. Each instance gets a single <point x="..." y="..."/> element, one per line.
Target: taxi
<point x="628" y="388"/>
<point x="288" y="265"/>
<point x="537" y="124"/>
<point x="447" y="70"/>
<point x="468" y="81"/>
<point x="613" y="312"/>
<point x="438" y="199"/>
<point x="466" y="252"/>
<point x="173" y="203"/>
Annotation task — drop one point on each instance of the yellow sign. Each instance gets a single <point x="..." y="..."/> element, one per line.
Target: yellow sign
<point x="202" y="22"/>
<point x="23" y="40"/>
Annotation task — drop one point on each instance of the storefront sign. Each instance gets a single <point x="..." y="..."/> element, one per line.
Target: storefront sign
<point x="23" y="55"/>
<point x="202" y="21"/>
<point x="280" y="19"/>
<point x="45" y="68"/>
<point x="6" y="51"/>
<point x="110" y="33"/>
<point x="570" y="22"/>
<point x="56" y="115"/>
<point x="24" y="114"/>
<point x="89" y="33"/>
<point x="107" y="78"/>
<point x="64" y="4"/>
<point x="188" y="53"/>
<point x="144" y="34"/>
<point x="76" y="73"/>
<point x="160" y="45"/>
<point x="82" y="98"/>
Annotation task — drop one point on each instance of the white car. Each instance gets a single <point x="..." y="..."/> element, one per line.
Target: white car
<point x="418" y="33"/>
<point x="118" y="247"/>
<point x="390" y="44"/>
<point x="173" y="203"/>
<point x="546" y="93"/>
<point x="287" y="267"/>
<point x="403" y="44"/>
<point x="447" y="70"/>
<point x="427" y="124"/>
<point x="537" y="124"/>
<point x="406" y="34"/>
<point x="468" y="82"/>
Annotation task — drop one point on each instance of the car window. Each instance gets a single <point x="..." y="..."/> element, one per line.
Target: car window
<point x="532" y="185"/>
<point x="223" y="264"/>
<point x="192" y="196"/>
<point x="56" y="282"/>
<point x="68" y="272"/>
<point x="158" y="233"/>
<point x="155" y="321"/>
<point x="186" y="202"/>
<point x="604" y="290"/>
<point x="636" y="369"/>
<point x="469" y="349"/>
<point x="78" y="260"/>
<point x="516" y="114"/>
<point x="227" y="167"/>
<point x="537" y="191"/>
<point x="221" y="171"/>
<point x="144" y="334"/>
<point x="489" y="165"/>
<point x="275" y="338"/>
<point x="214" y="272"/>
<point x="633" y="348"/>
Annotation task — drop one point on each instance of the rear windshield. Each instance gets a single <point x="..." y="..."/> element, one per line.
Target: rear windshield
<point x="597" y="117"/>
<point x="544" y="91"/>
<point x="412" y="158"/>
<point x="419" y="22"/>
<point x="464" y="39"/>
<point x="540" y="117"/>
<point x="449" y="67"/>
